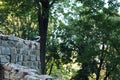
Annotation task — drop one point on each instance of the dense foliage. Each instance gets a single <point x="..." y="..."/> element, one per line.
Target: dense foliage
<point x="84" y="33"/>
<point x="18" y="18"/>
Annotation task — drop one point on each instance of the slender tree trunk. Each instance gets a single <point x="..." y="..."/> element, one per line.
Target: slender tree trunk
<point x="43" y="16"/>
<point x="43" y="7"/>
<point x="51" y="69"/>
<point x="99" y="69"/>
<point x="107" y="75"/>
<point x="101" y="62"/>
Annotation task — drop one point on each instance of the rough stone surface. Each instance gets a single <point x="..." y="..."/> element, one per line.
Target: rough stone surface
<point x="18" y="72"/>
<point x="22" y="53"/>
<point x="17" y="50"/>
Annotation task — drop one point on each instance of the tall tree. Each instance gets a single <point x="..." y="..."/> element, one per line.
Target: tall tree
<point x="43" y="17"/>
<point x="89" y="37"/>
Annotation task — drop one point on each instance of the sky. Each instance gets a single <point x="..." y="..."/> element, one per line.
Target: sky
<point x="68" y="9"/>
<point x="107" y="4"/>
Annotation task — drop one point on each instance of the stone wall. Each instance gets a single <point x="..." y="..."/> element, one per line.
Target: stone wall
<point x="20" y="59"/>
<point x="18" y="51"/>
<point x="18" y="72"/>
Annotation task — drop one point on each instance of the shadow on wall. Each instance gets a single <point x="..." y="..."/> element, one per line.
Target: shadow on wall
<point x="1" y="72"/>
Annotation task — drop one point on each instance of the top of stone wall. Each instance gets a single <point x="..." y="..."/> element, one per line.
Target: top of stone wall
<point x="9" y="37"/>
<point x="11" y="40"/>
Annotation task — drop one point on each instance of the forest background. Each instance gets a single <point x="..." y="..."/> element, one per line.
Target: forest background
<point x="82" y="37"/>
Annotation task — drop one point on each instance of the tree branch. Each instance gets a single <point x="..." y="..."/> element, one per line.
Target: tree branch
<point x="53" y="1"/>
<point x="45" y="3"/>
<point x="107" y="75"/>
<point x="99" y="69"/>
<point x="101" y="63"/>
<point x="51" y="68"/>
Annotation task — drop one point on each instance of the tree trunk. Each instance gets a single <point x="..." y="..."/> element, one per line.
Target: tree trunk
<point x="102" y="56"/>
<point x="51" y="69"/>
<point x="43" y="16"/>
<point x="99" y="69"/>
<point x="107" y="75"/>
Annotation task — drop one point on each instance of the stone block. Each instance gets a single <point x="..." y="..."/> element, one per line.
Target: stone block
<point x="12" y="38"/>
<point x="4" y="59"/>
<point x="20" y="58"/>
<point x="23" y="51"/>
<point x="35" y="52"/>
<point x="5" y="50"/>
<point x="33" y="47"/>
<point x="13" y="58"/>
<point x="32" y="65"/>
<point x="38" y="58"/>
<point x="6" y="74"/>
<point x="39" y="65"/>
<point x="6" y="67"/>
<point x="28" y="52"/>
<point x="37" y="46"/>
<point x="17" y="58"/>
<point x="30" y="77"/>
<point x="26" y="57"/>
<point x="12" y="75"/>
<point x="5" y="43"/>
<point x="32" y="57"/>
<point x="13" y="50"/>
<point x="20" y="63"/>
<point x="12" y="43"/>
<point x="20" y="44"/>
<point x="26" y="63"/>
